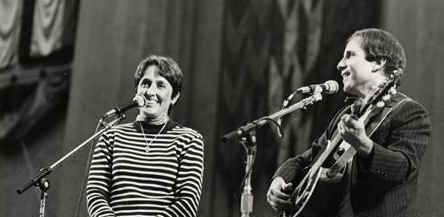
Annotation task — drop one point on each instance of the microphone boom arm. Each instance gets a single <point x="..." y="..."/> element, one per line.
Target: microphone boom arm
<point x="242" y="130"/>
<point x="40" y="180"/>
<point x="43" y="172"/>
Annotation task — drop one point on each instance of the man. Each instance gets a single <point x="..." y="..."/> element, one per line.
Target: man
<point x="381" y="179"/>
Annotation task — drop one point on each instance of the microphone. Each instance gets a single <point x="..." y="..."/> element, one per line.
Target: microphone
<point x="138" y="101"/>
<point x="328" y="87"/>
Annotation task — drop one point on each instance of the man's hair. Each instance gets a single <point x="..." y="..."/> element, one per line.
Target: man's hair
<point x="381" y="45"/>
<point x="168" y="68"/>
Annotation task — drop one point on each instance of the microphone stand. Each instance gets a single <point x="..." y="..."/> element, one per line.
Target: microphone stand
<point x="247" y="137"/>
<point x="249" y="144"/>
<point x="40" y="180"/>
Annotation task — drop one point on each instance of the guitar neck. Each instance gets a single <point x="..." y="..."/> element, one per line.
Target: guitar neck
<point x="332" y="144"/>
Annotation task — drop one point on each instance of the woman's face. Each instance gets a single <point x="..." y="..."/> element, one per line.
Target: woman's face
<point x="158" y="93"/>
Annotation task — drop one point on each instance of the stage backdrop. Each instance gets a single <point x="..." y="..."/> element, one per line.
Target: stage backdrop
<point x="33" y="95"/>
<point x="240" y="59"/>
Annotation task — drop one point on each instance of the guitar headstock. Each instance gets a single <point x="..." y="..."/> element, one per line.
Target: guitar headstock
<point x="383" y="93"/>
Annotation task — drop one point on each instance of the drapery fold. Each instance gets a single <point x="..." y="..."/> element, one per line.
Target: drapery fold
<point x="47" y="28"/>
<point x="10" y="23"/>
<point x="292" y="66"/>
<point x="33" y="30"/>
<point x="23" y="106"/>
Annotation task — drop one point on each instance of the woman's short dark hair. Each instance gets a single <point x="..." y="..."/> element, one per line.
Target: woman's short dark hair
<point x="168" y="68"/>
<point x="381" y="45"/>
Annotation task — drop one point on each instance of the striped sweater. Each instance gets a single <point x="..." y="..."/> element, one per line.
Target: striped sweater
<point x="127" y="178"/>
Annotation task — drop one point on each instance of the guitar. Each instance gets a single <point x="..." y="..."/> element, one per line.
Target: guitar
<point x="336" y="153"/>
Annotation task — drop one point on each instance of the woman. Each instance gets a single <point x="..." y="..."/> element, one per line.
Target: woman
<point x="153" y="166"/>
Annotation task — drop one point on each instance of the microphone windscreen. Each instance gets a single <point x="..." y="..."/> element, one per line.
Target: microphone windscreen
<point x="333" y="86"/>
<point x="140" y="100"/>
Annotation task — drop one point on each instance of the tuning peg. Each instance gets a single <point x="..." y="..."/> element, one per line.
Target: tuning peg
<point x="393" y="91"/>
<point x="380" y="104"/>
<point x="386" y="98"/>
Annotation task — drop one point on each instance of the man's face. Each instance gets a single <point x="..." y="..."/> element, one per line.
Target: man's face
<point x="158" y="92"/>
<point x="357" y="73"/>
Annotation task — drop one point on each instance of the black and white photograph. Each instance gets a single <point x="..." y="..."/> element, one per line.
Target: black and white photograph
<point x="221" y="108"/>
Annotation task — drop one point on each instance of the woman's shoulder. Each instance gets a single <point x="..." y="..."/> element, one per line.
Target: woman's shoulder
<point x="187" y="132"/>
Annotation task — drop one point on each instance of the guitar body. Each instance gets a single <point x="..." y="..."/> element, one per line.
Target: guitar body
<point x="325" y="198"/>
<point x="315" y="196"/>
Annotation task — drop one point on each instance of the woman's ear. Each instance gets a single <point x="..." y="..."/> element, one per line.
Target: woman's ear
<point x="378" y="65"/>
<point x="175" y="98"/>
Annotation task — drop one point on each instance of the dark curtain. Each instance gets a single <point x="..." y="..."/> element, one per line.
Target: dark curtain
<point x="34" y="93"/>
<point x="39" y="80"/>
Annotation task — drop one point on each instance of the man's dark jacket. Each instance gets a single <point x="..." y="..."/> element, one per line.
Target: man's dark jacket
<point x="383" y="184"/>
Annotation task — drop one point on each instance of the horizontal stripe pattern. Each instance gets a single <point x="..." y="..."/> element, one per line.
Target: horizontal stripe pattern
<point x="126" y="180"/>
